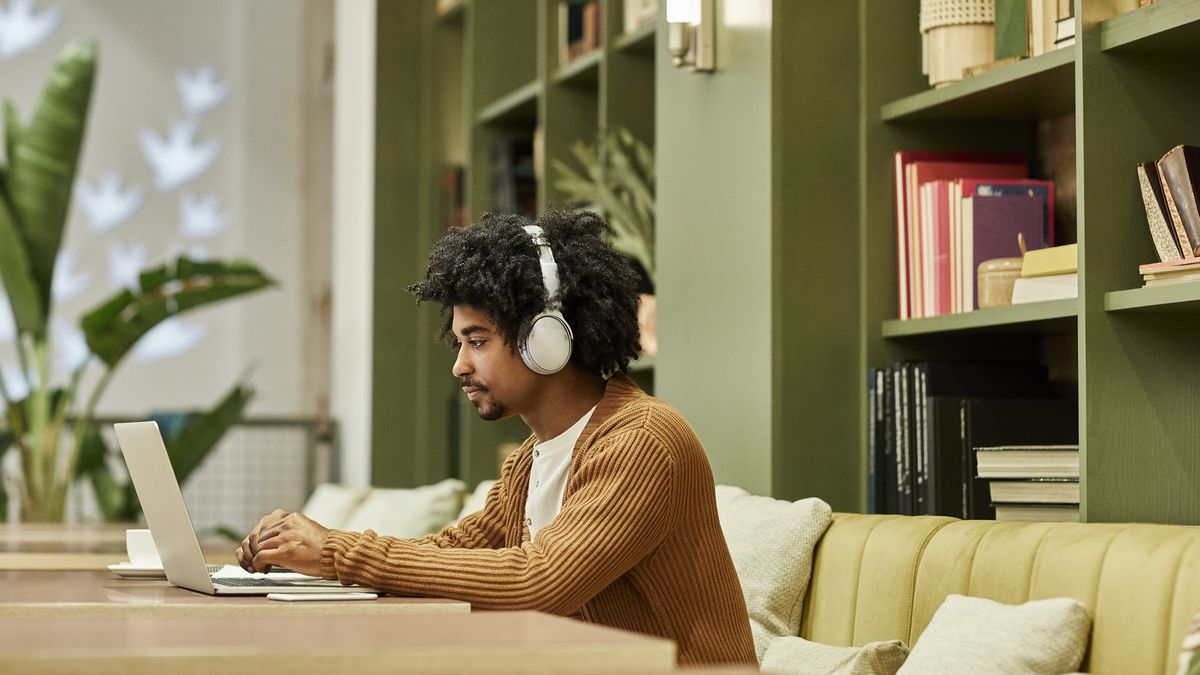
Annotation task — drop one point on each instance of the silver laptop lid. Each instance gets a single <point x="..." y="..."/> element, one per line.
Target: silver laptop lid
<point x="162" y="502"/>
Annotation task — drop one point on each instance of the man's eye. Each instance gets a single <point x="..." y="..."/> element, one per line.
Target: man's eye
<point x="455" y="344"/>
<point x="476" y="343"/>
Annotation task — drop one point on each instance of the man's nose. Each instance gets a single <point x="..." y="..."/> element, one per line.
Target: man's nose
<point x="462" y="364"/>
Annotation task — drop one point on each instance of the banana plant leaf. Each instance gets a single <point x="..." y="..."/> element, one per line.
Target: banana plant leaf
<point x="116" y="325"/>
<point x="42" y="158"/>
<point x="191" y="441"/>
<point x="190" y="438"/>
<point x="16" y="271"/>
<point x="118" y="501"/>
<point x="6" y="440"/>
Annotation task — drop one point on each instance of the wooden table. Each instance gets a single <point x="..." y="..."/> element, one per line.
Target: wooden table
<point x="100" y="594"/>
<point x="476" y="642"/>
<point x="62" y="546"/>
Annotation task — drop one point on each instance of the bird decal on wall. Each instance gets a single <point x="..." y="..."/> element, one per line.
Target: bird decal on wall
<point x="201" y="217"/>
<point x="106" y="204"/>
<point x="200" y="90"/>
<point x="21" y="30"/>
<point x="177" y="158"/>
<point x="68" y="283"/>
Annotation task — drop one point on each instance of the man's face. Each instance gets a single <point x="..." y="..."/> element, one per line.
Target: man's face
<point x="492" y="374"/>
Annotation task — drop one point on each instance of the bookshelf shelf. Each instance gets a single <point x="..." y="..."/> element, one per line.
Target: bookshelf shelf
<point x="1042" y="86"/>
<point x="583" y="71"/>
<point x="1035" y="316"/>
<point x="1183" y="297"/>
<point x="1172" y="26"/>
<point x="640" y="40"/>
<point x="516" y="107"/>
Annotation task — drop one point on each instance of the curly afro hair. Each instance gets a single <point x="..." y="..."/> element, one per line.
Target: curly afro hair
<point x="493" y="266"/>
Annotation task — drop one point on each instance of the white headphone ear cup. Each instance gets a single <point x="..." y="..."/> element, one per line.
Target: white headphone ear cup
<point x="547" y="347"/>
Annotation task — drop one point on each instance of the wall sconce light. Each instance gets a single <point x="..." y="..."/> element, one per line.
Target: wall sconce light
<point x="691" y="33"/>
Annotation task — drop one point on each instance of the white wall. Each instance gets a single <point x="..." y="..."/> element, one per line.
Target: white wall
<point x="353" y="233"/>
<point x="258" y="49"/>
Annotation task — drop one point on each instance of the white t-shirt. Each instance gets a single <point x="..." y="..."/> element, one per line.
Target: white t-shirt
<point x="548" y="476"/>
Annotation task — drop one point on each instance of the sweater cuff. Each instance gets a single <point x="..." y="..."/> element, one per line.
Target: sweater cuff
<point x="337" y="543"/>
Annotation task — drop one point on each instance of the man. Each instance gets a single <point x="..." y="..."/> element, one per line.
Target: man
<point x="607" y="512"/>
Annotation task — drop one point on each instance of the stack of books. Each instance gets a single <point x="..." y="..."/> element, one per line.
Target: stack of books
<point x="1048" y="274"/>
<point x="1031" y="482"/>
<point x="956" y="210"/>
<point x="1169" y="196"/>
<point x="1027" y="28"/>
<point x="926" y="418"/>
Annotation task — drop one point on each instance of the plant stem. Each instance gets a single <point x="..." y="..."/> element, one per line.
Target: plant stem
<point x="81" y="423"/>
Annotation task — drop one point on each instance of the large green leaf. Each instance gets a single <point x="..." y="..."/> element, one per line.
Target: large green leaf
<point x="191" y="441"/>
<point x="43" y="158"/>
<point x="118" y="501"/>
<point x="116" y="325"/>
<point x="16" y="272"/>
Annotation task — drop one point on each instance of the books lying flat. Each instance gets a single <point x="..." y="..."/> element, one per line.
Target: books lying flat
<point x="1028" y="461"/>
<point x="1044" y="262"/>
<point x="1052" y="287"/>
<point x="1035" y="491"/>
<point x="1046" y="513"/>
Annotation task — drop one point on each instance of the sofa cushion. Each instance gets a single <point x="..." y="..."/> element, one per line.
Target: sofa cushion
<point x="331" y="504"/>
<point x="412" y="512"/>
<point x="771" y="542"/>
<point x="977" y="635"/>
<point x="790" y="655"/>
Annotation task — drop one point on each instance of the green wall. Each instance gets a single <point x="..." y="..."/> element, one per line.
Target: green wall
<point x="713" y="144"/>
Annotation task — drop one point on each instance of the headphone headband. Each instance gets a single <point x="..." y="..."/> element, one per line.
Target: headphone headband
<point x="546" y="346"/>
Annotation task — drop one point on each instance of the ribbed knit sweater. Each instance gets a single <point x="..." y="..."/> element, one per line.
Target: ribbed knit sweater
<point x="637" y="544"/>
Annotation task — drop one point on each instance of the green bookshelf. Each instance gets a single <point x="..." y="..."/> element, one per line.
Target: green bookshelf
<point x="640" y="40"/>
<point x="1118" y="96"/>
<point x="1035" y="316"/>
<point x="583" y="71"/>
<point x="1169" y="27"/>
<point x="516" y="107"/>
<point x="1034" y="88"/>
<point x="1182" y="297"/>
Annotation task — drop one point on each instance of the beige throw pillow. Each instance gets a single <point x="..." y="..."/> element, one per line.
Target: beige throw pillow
<point x="407" y="513"/>
<point x="771" y="542"/>
<point x="977" y="635"/>
<point x="331" y="504"/>
<point x="792" y="655"/>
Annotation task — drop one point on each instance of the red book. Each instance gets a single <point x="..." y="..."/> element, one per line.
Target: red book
<point x="933" y="166"/>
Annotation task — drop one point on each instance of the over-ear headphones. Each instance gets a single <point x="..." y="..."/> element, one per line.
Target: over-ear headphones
<point x="546" y="345"/>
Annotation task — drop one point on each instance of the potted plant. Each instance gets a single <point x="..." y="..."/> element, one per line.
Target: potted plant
<point x="49" y="428"/>
<point x="618" y="183"/>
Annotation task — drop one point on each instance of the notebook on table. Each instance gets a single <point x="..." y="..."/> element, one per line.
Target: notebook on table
<point x="171" y="526"/>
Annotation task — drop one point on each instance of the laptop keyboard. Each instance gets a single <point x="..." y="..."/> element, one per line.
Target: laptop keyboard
<point x="242" y="583"/>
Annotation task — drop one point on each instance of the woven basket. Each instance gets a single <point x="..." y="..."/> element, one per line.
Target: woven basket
<point x="956" y="35"/>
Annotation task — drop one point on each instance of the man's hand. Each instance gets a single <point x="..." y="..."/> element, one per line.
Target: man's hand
<point x="285" y="539"/>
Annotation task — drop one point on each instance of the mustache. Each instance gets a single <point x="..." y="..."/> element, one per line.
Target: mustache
<point x="468" y="383"/>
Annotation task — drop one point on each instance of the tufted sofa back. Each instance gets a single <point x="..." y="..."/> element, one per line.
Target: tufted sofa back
<point x="882" y="578"/>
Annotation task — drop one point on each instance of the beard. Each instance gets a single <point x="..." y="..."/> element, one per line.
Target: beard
<point x="490" y="409"/>
<point x="487" y="406"/>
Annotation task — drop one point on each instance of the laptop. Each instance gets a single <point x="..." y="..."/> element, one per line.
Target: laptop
<point x="171" y="526"/>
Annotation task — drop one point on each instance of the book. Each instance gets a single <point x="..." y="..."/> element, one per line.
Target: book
<point x="1046" y="513"/>
<point x="1176" y="169"/>
<point x="1028" y="461"/>
<point x="1051" y="260"/>
<point x="1050" y="287"/>
<point x="1064" y="29"/>
<point x="992" y="422"/>
<point x="919" y="387"/>
<point x="934" y="166"/>
<point x="1042" y="189"/>
<point x="1012" y="29"/>
<point x="1157" y="215"/>
<point x="638" y="13"/>
<point x="990" y="226"/>
<point x="1035" y="491"/>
